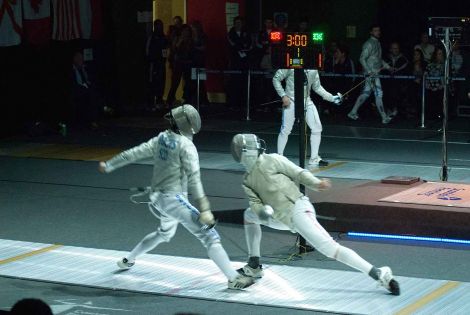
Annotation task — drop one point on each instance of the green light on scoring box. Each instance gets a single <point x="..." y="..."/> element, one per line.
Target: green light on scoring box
<point x="317" y="36"/>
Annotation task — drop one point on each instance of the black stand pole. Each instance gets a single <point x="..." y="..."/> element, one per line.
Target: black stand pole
<point x="299" y="77"/>
<point x="445" y="102"/>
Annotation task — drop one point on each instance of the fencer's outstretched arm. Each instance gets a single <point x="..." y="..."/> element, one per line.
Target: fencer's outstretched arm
<point x="142" y="151"/>
<point x="320" y="90"/>
<point x="300" y="175"/>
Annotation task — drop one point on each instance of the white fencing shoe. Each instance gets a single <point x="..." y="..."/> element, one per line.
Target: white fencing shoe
<point x="252" y="272"/>
<point x="386" y="280"/>
<point x="125" y="264"/>
<point x="240" y="282"/>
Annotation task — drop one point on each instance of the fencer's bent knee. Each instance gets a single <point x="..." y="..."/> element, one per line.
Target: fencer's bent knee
<point x="249" y="216"/>
<point x="167" y="235"/>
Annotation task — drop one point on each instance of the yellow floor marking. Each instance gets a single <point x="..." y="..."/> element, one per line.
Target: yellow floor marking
<point x="332" y="165"/>
<point x="65" y="152"/>
<point x="428" y="298"/>
<point x="29" y="254"/>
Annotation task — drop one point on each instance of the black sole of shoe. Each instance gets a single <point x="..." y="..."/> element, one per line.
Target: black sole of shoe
<point x="394" y="287"/>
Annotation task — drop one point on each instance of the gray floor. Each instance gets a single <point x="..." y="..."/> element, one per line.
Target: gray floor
<point x="69" y="202"/>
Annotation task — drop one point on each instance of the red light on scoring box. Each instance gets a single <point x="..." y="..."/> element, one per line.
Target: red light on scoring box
<point x="275" y="36"/>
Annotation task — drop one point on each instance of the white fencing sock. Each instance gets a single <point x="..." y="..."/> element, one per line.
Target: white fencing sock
<point x="219" y="256"/>
<point x="253" y="238"/>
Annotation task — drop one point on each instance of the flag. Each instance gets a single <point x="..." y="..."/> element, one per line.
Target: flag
<point x="76" y="19"/>
<point x="11" y="26"/>
<point x="37" y="21"/>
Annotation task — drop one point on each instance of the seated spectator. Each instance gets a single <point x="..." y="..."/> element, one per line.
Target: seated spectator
<point x="82" y="95"/>
<point x="342" y="64"/>
<point x="435" y="84"/>
<point x="396" y="88"/>
<point x="414" y="89"/>
<point x="426" y="48"/>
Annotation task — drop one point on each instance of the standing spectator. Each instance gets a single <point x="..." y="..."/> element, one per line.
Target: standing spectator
<point x="426" y="48"/>
<point x="303" y="26"/>
<point x="157" y="51"/>
<point x="199" y="59"/>
<point x="435" y="84"/>
<point x="83" y="106"/>
<point x="240" y="46"/>
<point x="265" y="63"/>
<point x="181" y="49"/>
<point x="396" y="88"/>
<point x="414" y="91"/>
<point x="372" y="63"/>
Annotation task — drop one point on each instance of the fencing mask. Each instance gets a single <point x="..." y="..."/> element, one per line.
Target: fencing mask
<point x="246" y="148"/>
<point x="187" y="120"/>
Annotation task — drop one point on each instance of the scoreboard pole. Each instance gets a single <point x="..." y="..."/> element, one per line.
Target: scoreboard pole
<point x="299" y="77"/>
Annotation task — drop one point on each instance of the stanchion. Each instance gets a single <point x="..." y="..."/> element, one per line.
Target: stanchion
<point x="423" y="99"/>
<point x="248" y="95"/>
<point x="198" y="86"/>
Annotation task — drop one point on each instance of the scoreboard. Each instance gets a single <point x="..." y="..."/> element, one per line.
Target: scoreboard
<point x="290" y="50"/>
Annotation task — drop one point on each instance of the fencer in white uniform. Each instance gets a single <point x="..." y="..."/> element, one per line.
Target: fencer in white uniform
<point x="271" y="184"/>
<point x="311" y="82"/>
<point x="175" y="170"/>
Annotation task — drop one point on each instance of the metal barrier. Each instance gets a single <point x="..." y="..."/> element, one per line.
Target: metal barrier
<point x="250" y="72"/>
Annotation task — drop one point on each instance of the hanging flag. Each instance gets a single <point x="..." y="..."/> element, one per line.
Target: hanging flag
<point x="11" y="27"/>
<point x="76" y="19"/>
<point x="37" y="21"/>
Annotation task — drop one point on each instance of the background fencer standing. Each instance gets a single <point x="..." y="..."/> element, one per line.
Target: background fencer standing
<point x="271" y="184"/>
<point x="175" y="170"/>
<point x="372" y="63"/>
<point x="311" y="81"/>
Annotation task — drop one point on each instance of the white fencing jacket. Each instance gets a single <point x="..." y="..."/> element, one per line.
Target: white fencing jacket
<point x="175" y="163"/>
<point x="274" y="181"/>
<point x="313" y="84"/>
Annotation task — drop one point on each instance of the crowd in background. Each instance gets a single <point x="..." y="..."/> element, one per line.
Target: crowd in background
<point x="181" y="49"/>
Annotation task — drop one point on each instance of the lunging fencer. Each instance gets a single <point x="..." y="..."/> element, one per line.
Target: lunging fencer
<point x="311" y="81"/>
<point x="175" y="171"/>
<point x="271" y="183"/>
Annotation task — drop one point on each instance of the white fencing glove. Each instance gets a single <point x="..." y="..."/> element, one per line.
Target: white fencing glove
<point x="205" y="217"/>
<point x="265" y="214"/>
<point x="337" y="99"/>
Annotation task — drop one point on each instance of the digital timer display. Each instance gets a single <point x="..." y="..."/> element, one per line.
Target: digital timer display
<point x="296" y="50"/>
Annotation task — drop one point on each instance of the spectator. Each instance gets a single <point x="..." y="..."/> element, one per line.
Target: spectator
<point x="426" y="48"/>
<point x="329" y="57"/>
<point x="182" y="49"/>
<point x="414" y="91"/>
<point x="263" y="46"/>
<point x="31" y="307"/>
<point x="303" y="26"/>
<point x="342" y="64"/>
<point x="82" y="101"/>
<point x="199" y="59"/>
<point x="157" y="52"/>
<point x="240" y="46"/>
<point x="396" y="88"/>
<point x="435" y="84"/>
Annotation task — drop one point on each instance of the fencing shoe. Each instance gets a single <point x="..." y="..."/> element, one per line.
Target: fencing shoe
<point x="240" y="282"/>
<point x="317" y="162"/>
<point x="353" y="116"/>
<point x="252" y="272"/>
<point x="386" y="120"/>
<point x="386" y="280"/>
<point x="125" y="264"/>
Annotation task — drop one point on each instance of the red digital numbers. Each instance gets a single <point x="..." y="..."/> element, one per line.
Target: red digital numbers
<point x="296" y="40"/>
